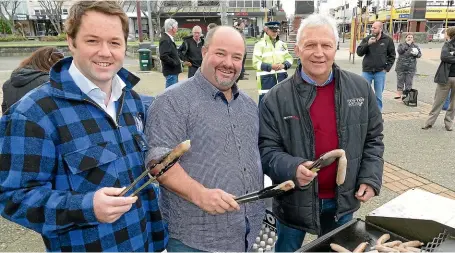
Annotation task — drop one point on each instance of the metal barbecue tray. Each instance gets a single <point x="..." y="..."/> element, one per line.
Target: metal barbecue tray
<point x="350" y="235"/>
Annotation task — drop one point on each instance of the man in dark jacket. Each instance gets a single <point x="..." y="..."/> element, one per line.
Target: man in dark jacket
<point x="379" y="54"/>
<point x="22" y="81"/>
<point x="169" y="55"/>
<point x="190" y="51"/>
<point x="319" y="109"/>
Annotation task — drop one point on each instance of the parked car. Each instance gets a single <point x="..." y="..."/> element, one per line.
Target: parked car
<point x="440" y="34"/>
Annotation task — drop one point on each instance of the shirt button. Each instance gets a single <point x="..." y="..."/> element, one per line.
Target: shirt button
<point x="244" y="169"/>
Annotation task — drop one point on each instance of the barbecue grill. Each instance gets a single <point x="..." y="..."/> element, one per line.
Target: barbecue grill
<point x="414" y="215"/>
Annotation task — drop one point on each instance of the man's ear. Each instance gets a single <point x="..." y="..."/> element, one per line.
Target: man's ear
<point x="71" y="45"/>
<point x="204" y="51"/>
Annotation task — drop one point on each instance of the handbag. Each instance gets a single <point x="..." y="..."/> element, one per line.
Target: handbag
<point x="410" y="97"/>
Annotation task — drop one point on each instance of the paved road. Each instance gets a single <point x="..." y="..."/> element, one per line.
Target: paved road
<point x="425" y="155"/>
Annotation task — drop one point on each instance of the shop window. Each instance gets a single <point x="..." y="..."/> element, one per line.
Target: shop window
<point x="248" y="3"/>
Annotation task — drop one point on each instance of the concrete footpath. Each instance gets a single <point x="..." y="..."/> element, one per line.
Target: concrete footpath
<point x="414" y="158"/>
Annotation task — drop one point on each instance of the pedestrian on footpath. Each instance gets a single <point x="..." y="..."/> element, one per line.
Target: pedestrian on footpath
<point x="169" y="55"/>
<point x="379" y="54"/>
<point x="190" y="50"/>
<point x="222" y="123"/>
<point x="31" y="73"/>
<point x="406" y="66"/>
<point x="445" y="83"/>
<point x="69" y="147"/>
<point x="319" y="109"/>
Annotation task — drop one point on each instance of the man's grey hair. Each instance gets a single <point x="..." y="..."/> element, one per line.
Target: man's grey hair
<point x="318" y="20"/>
<point x="169" y="24"/>
<point x="196" y="27"/>
<point x="211" y="33"/>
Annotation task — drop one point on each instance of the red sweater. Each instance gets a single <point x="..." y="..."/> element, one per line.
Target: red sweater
<point x="323" y="116"/>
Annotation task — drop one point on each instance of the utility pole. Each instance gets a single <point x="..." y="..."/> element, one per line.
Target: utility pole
<point x="139" y="20"/>
<point x="224" y="5"/>
<point x="344" y="18"/>
<point x="391" y="19"/>
<point x="449" y="3"/>
<point x="149" y="11"/>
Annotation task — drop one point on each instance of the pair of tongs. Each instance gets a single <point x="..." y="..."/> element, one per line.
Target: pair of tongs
<point x="163" y="165"/>
<point x="327" y="159"/>
<point x="268" y="192"/>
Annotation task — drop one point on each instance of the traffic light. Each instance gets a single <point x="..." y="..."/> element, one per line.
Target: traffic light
<point x="389" y="2"/>
<point x="359" y="3"/>
<point x="450" y="3"/>
<point x="364" y="9"/>
<point x="263" y="3"/>
<point x="374" y="9"/>
<point x="368" y="2"/>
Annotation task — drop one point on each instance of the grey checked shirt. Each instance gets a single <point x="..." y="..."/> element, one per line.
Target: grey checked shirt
<point x="224" y="154"/>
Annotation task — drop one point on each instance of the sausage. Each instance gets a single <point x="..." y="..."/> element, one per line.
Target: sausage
<point x="177" y="152"/>
<point x="401" y="248"/>
<point x="384" y="238"/>
<point x="412" y="244"/>
<point x="361" y="247"/>
<point x="338" y="248"/>
<point x="392" y="244"/>
<point x="341" y="171"/>
<point x="412" y="249"/>
<point x="381" y="248"/>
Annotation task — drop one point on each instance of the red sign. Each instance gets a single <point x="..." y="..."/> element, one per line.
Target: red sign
<point x="241" y="13"/>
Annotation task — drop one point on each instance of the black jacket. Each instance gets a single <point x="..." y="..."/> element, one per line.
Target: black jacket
<point x="190" y="51"/>
<point x="442" y="74"/>
<point x="169" y="56"/>
<point x="378" y="56"/>
<point x="286" y="141"/>
<point x="21" y="81"/>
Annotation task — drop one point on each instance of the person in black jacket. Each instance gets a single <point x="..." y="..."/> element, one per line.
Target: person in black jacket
<point x="190" y="50"/>
<point x="169" y="55"/>
<point x="445" y="79"/>
<point x="319" y="109"/>
<point x="379" y="54"/>
<point x="31" y="73"/>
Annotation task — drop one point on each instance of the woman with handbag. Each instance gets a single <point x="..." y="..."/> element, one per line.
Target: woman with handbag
<point x="408" y="52"/>
<point x="445" y="80"/>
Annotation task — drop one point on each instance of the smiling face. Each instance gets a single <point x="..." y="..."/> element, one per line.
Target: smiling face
<point x="316" y="49"/>
<point x="99" y="47"/>
<point x="222" y="58"/>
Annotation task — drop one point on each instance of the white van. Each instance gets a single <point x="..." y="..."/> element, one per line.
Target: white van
<point x="440" y="34"/>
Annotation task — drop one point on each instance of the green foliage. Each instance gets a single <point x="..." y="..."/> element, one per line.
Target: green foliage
<point x="181" y="33"/>
<point x="10" y="38"/>
<point x="5" y="26"/>
<point x="60" y="37"/>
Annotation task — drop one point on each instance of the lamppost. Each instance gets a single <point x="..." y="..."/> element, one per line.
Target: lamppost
<point x="344" y="19"/>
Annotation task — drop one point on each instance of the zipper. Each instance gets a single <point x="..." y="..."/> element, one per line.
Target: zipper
<point x="99" y="107"/>
<point x="340" y="141"/>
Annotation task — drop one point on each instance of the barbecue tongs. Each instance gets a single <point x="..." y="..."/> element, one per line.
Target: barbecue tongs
<point x="161" y="166"/>
<point x="327" y="159"/>
<point x="268" y="192"/>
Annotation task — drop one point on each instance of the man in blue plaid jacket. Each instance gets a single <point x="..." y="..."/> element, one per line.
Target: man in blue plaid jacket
<point x="69" y="147"/>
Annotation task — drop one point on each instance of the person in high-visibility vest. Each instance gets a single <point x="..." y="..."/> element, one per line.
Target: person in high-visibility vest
<point x="271" y="58"/>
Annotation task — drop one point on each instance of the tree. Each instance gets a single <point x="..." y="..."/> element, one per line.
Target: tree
<point x="8" y="11"/>
<point x="53" y="9"/>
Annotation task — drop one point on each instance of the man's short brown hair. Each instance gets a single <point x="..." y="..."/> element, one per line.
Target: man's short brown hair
<point x="78" y="10"/>
<point x="451" y="32"/>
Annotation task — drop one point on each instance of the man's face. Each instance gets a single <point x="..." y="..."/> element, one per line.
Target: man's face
<point x="316" y="49"/>
<point x="409" y="38"/>
<point x="197" y="34"/>
<point x="376" y="28"/>
<point x="222" y="59"/>
<point x="272" y="33"/>
<point x="99" y="47"/>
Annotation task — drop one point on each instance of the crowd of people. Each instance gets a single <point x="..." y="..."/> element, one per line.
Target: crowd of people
<point x="74" y="134"/>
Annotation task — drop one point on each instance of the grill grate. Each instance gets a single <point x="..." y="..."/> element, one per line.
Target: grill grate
<point x="434" y="245"/>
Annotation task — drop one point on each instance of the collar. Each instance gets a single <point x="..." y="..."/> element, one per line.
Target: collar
<point x="307" y="79"/>
<point x="89" y="88"/>
<point x="170" y="36"/>
<point x="210" y="89"/>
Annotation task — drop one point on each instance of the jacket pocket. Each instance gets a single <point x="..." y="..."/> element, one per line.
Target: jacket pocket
<point x="93" y="167"/>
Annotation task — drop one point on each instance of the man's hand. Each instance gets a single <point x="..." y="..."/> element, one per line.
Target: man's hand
<point x="305" y="176"/>
<point x="216" y="201"/>
<point x="108" y="206"/>
<point x="187" y="63"/>
<point x="364" y="193"/>
<point x="277" y="66"/>
<point x="371" y="40"/>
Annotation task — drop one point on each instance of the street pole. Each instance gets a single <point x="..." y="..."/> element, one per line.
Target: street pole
<point x="139" y="23"/>
<point x="344" y="19"/>
<point x="149" y="11"/>
<point x="447" y="14"/>
<point x="391" y="19"/>
<point x="224" y="19"/>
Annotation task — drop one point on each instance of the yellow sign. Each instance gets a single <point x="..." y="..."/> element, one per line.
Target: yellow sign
<point x="439" y="13"/>
<point x="402" y="13"/>
<point x="383" y="15"/>
<point x="352" y="45"/>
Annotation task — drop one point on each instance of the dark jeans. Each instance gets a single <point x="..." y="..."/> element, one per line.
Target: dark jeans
<point x="191" y="71"/>
<point x="171" y="79"/>
<point x="175" y="245"/>
<point x="446" y="103"/>
<point x="291" y="239"/>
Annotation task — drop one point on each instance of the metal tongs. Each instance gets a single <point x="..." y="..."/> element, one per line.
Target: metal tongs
<point x="163" y="165"/>
<point x="268" y="192"/>
<point x="327" y="159"/>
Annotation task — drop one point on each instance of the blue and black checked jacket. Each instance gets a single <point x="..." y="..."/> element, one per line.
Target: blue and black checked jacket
<point x="57" y="147"/>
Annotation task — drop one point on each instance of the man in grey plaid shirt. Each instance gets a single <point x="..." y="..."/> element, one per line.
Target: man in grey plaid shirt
<point x="222" y="123"/>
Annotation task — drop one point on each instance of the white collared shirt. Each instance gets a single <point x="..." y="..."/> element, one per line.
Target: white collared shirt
<point x="95" y="93"/>
<point x="172" y="38"/>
